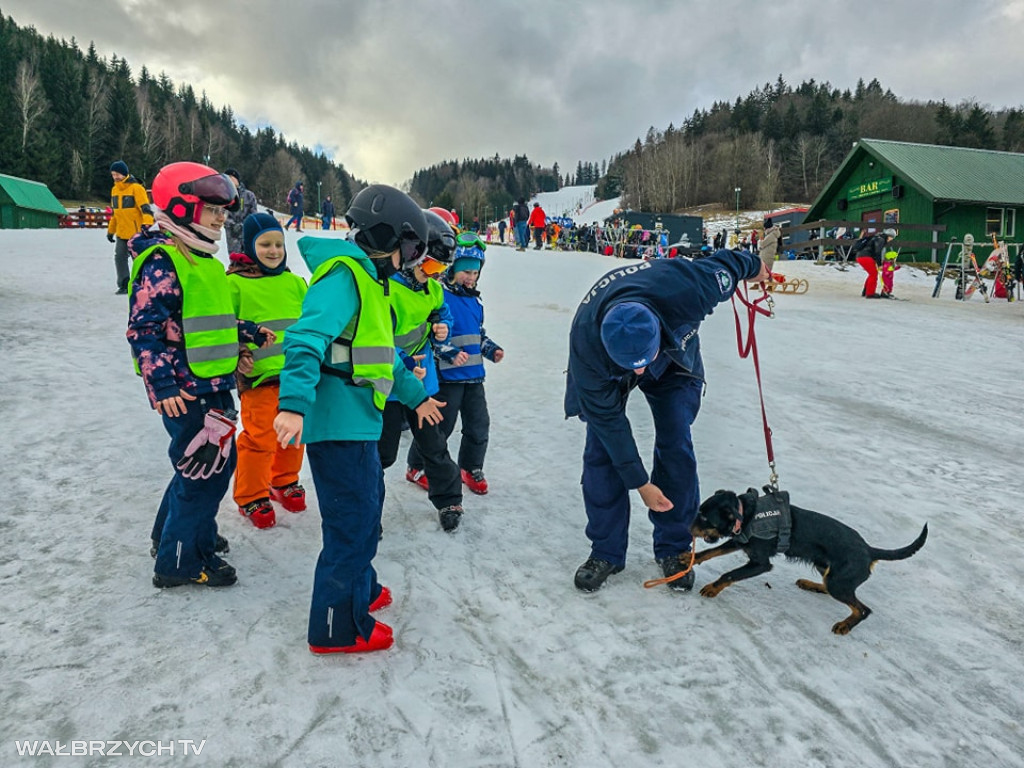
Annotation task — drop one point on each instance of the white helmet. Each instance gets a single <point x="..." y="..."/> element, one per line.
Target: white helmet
<point x="890" y="233"/>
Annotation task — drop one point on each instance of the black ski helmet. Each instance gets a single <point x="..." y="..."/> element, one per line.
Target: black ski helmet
<point x="440" y="238"/>
<point x="381" y="217"/>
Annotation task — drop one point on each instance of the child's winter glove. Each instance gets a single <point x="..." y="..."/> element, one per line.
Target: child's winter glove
<point x="208" y="452"/>
<point x="110" y="237"/>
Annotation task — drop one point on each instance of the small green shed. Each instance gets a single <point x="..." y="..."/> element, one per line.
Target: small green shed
<point x="28" y="204"/>
<point x="890" y="183"/>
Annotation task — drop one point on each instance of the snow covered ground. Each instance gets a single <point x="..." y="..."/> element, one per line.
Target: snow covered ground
<point x="886" y="415"/>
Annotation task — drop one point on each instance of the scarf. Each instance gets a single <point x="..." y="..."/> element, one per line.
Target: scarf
<point x="196" y="237"/>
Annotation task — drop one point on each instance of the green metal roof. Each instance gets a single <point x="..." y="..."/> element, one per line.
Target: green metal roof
<point x="942" y="173"/>
<point x="955" y="173"/>
<point x="33" y="195"/>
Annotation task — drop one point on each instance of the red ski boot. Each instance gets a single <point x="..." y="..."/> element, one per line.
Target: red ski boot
<point x="475" y="481"/>
<point x="381" y="639"/>
<point x="419" y="477"/>
<point x="291" y="497"/>
<point x="260" y="513"/>
<point x="383" y="600"/>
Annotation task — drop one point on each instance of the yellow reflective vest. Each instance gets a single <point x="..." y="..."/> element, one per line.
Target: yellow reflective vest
<point x="411" y="312"/>
<point x="365" y="350"/>
<point x="274" y="302"/>
<point x="207" y="316"/>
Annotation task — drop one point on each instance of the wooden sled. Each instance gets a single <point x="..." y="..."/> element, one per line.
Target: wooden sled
<point x="794" y="285"/>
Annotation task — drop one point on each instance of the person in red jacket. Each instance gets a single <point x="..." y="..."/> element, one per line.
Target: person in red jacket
<point x="538" y="223"/>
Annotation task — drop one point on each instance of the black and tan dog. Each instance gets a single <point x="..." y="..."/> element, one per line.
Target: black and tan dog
<point x="765" y="526"/>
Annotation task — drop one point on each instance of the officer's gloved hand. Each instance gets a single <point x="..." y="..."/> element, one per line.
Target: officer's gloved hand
<point x="110" y="237"/>
<point x="208" y="452"/>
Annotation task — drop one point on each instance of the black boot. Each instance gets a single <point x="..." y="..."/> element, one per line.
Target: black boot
<point x="221" y="547"/>
<point x="592" y="574"/>
<point x="450" y="517"/>
<point x="674" y="564"/>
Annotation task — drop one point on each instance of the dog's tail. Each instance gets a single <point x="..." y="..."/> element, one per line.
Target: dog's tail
<point x="903" y="552"/>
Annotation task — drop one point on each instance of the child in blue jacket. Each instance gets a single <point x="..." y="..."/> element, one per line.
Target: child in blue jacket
<point x="461" y="364"/>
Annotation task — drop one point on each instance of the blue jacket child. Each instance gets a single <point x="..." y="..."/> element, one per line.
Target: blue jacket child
<point x="461" y="366"/>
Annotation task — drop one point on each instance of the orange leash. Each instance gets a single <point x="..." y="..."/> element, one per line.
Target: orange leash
<point x="667" y="579"/>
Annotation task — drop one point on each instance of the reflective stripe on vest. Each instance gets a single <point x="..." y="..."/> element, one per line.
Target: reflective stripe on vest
<point x="411" y="311"/>
<point x="207" y="315"/>
<point x="470" y="344"/>
<point x="366" y="348"/>
<point x="275" y="302"/>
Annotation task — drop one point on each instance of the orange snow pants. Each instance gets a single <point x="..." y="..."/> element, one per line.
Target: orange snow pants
<point x="262" y="462"/>
<point x="869" y="266"/>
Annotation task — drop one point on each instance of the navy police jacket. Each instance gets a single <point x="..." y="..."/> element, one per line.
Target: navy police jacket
<point x="681" y="293"/>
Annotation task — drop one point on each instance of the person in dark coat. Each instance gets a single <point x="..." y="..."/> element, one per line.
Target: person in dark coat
<point x="868" y="252"/>
<point x="637" y="328"/>
<point x="237" y="218"/>
<point x="327" y="213"/>
<point x="295" y="206"/>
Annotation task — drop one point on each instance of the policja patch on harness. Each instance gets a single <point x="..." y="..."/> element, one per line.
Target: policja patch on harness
<point x="772" y="519"/>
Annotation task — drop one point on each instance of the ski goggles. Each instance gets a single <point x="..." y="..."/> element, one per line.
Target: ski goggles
<point x="470" y="240"/>
<point x="412" y="249"/>
<point x="432" y="267"/>
<point x="216" y="189"/>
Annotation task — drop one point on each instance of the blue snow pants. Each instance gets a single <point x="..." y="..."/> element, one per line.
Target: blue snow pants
<point x="186" y="523"/>
<point x="674" y="400"/>
<point x="350" y="490"/>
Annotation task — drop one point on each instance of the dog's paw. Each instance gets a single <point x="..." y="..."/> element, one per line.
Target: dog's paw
<point x="711" y="590"/>
<point x="842" y="627"/>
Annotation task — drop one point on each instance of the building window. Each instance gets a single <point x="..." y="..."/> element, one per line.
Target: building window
<point x="1001" y="222"/>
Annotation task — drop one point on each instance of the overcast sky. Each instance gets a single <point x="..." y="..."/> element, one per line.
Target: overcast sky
<point x="387" y="87"/>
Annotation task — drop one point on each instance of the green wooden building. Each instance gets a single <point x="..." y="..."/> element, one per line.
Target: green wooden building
<point x="28" y="204"/>
<point x="889" y="183"/>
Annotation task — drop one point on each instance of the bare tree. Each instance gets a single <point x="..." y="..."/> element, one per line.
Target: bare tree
<point x="811" y="152"/>
<point x="77" y="172"/>
<point x="275" y="179"/>
<point x="768" y="191"/>
<point x="28" y="98"/>
<point x="152" y="136"/>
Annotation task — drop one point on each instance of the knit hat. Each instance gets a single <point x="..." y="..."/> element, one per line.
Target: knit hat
<point x="119" y="166"/>
<point x="467" y="257"/>
<point x="768" y="223"/>
<point x="631" y="334"/>
<point x="256" y="224"/>
<point x="233" y="174"/>
<point x="466" y="263"/>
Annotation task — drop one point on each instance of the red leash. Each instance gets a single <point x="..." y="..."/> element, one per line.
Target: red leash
<point x="750" y="349"/>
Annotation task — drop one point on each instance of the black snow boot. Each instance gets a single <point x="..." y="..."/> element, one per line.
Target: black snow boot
<point x="221" y="547"/>
<point x="215" y="574"/>
<point x="674" y="564"/>
<point x="592" y="574"/>
<point x="450" y="517"/>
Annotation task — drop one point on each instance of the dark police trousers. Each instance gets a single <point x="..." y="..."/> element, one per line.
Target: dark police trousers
<point x="674" y="401"/>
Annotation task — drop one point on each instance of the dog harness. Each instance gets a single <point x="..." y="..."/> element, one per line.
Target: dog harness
<point x="771" y="520"/>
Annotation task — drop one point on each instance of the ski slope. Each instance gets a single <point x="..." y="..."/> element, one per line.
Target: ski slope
<point x="885" y="415"/>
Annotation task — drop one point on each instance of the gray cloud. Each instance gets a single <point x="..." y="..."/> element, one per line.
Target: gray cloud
<point x="389" y="87"/>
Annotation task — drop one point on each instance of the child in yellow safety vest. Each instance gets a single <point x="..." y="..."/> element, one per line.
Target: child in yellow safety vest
<point x="184" y="337"/>
<point x="264" y="291"/>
